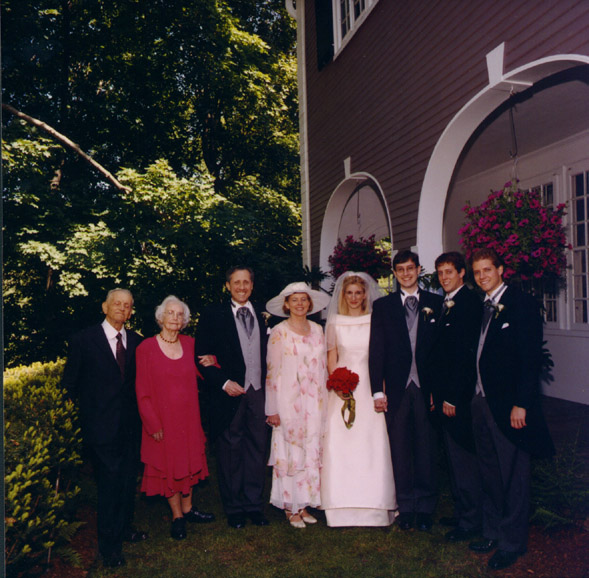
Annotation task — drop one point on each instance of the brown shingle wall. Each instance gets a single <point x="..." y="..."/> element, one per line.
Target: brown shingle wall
<point x="387" y="97"/>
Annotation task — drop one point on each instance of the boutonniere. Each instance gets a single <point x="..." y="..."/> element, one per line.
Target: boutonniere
<point x="427" y="312"/>
<point x="266" y="316"/>
<point x="498" y="308"/>
<point x="449" y="304"/>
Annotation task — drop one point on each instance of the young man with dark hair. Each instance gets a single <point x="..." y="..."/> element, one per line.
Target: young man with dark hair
<point x="452" y="366"/>
<point x="401" y="334"/>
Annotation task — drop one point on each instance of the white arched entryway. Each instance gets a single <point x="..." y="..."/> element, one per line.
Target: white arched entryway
<point x="438" y="176"/>
<point x="336" y="221"/>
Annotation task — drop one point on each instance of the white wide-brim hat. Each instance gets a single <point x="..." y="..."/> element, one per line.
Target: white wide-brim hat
<point x="320" y="299"/>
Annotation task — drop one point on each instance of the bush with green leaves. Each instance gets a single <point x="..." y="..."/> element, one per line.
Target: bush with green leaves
<point x="42" y="451"/>
<point x="559" y="488"/>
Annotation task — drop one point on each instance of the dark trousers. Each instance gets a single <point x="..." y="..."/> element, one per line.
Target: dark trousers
<point x="414" y="451"/>
<point x="241" y="456"/>
<point x="505" y="473"/>
<point x="115" y="470"/>
<point x="465" y="483"/>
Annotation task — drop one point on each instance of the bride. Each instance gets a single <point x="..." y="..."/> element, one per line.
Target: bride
<point x="357" y="484"/>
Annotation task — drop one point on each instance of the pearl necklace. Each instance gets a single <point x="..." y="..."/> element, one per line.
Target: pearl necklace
<point x="167" y="340"/>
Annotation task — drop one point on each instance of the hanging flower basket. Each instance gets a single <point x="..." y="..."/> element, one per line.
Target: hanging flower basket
<point x="529" y="238"/>
<point x="359" y="255"/>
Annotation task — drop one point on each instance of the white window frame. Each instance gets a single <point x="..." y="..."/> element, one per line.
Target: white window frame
<point x="558" y="196"/>
<point x="570" y="171"/>
<point x="340" y="42"/>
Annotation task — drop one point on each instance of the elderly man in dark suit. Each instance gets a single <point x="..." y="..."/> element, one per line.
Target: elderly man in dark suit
<point x="452" y="366"/>
<point x="401" y="334"/>
<point x="100" y="372"/>
<point x="507" y="417"/>
<point x="235" y="332"/>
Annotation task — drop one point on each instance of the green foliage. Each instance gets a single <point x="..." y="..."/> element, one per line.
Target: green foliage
<point x="194" y="106"/>
<point x="560" y="493"/>
<point x="42" y="449"/>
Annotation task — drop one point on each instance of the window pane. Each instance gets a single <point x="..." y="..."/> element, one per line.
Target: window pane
<point x="580" y="210"/>
<point x="549" y="194"/>
<point x="578" y="185"/>
<point x="580" y="235"/>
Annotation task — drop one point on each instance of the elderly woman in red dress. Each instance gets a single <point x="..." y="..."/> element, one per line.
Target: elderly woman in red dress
<point x="173" y="441"/>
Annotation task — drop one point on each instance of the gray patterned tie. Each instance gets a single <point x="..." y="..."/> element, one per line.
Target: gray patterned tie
<point x="411" y="304"/>
<point x="488" y="308"/>
<point x="247" y="320"/>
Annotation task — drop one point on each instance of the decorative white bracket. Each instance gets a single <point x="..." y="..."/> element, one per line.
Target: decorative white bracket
<point x="497" y="80"/>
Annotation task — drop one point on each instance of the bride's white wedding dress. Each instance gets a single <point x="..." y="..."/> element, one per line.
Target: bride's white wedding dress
<point x="357" y="484"/>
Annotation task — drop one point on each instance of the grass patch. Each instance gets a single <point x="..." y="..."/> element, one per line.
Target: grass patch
<point x="279" y="551"/>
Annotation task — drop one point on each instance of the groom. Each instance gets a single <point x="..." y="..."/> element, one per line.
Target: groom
<point x="402" y="329"/>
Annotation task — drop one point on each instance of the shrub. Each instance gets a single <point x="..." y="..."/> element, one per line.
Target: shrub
<point x="559" y="488"/>
<point x="42" y="449"/>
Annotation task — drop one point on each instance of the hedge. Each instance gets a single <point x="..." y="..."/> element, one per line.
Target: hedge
<point x="42" y="444"/>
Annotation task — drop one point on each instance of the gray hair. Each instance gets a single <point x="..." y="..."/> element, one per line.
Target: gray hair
<point x="116" y="290"/>
<point x="159" y="310"/>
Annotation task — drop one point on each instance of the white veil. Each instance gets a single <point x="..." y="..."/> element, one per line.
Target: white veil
<point x="373" y="292"/>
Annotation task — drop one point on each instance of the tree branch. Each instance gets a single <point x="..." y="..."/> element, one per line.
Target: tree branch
<point x="67" y="143"/>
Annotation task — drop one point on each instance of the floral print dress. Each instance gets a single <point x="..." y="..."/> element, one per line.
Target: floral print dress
<point x="295" y="390"/>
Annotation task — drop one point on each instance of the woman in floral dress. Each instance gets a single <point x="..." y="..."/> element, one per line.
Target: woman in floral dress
<point x="296" y="401"/>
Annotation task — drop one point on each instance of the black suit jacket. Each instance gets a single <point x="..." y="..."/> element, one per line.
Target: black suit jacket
<point x="108" y="404"/>
<point x="510" y="365"/>
<point x="217" y="335"/>
<point x="452" y="362"/>
<point x="390" y="353"/>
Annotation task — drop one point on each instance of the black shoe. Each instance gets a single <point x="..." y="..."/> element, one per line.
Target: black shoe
<point x="405" y="521"/>
<point x="114" y="561"/>
<point x="423" y="522"/>
<point x="483" y="546"/>
<point x="236" y="520"/>
<point x="502" y="559"/>
<point x="178" y="531"/>
<point x="258" y="519"/>
<point x="134" y="535"/>
<point x="196" y="517"/>
<point x="448" y="521"/>
<point x="461" y="534"/>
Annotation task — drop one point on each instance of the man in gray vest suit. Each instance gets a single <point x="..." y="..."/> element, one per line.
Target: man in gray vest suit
<point x="235" y="332"/>
<point x="401" y="334"/>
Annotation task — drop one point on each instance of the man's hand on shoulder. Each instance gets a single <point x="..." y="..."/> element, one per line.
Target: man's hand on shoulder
<point x="233" y="389"/>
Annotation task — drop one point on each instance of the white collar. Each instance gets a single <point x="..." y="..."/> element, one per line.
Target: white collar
<point x="497" y="294"/>
<point x="235" y="307"/>
<point x="453" y="294"/>
<point x="111" y="332"/>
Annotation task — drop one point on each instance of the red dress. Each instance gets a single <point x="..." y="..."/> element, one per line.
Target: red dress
<point x="167" y="396"/>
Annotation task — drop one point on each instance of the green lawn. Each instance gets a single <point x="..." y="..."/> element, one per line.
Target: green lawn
<point x="282" y="551"/>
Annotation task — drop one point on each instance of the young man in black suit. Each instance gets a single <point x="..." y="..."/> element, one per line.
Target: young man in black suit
<point x="507" y="417"/>
<point x="452" y="366"/>
<point x="401" y="334"/>
<point x="235" y="332"/>
<point x="100" y="372"/>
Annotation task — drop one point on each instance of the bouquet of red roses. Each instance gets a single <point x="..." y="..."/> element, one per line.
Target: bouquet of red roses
<point x="345" y="381"/>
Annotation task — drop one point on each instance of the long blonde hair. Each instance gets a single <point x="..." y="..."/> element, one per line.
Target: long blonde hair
<point x="352" y="280"/>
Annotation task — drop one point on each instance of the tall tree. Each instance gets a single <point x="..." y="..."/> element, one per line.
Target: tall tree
<point x="192" y="104"/>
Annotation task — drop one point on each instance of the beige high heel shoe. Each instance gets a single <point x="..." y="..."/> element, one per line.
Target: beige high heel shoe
<point x="308" y="518"/>
<point x="295" y="520"/>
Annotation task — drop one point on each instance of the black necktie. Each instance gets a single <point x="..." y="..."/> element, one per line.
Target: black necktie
<point x="247" y="320"/>
<point x="488" y="309"/>
<point x="120" y="354"/>
<point x="411" y="310"/>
